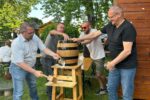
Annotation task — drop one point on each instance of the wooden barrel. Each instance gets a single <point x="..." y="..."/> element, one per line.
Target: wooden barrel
<point x="68" y="50"/>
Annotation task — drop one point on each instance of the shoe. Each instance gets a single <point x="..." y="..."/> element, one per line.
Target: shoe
<point x="101" y="91"/>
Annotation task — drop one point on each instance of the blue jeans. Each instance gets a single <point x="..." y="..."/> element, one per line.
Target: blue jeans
<point x="126" y="77"/>
<point x="18" y="77"/>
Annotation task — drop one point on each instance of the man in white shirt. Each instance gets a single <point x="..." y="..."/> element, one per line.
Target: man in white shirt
<point x="5" y="52"/>
<point x="24" y="51"/>
<point x="97" y="54"/>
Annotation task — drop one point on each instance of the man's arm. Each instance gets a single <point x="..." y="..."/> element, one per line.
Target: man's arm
<point x="89" y="36"/>
<point x="86" y="42"/>
<point x="51" y="53"/>
<point x="55" y="32"/>
<point x="127" y="47"/>
<point x="47" y="51"/>
<point x="29" y="69"/>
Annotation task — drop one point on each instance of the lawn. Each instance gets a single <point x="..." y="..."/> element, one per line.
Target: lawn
<point x="89" y="91"/>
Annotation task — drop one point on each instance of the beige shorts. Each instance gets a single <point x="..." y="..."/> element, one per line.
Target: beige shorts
<point x="99" y="63"/>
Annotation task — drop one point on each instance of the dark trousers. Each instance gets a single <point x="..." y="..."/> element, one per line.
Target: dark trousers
<point x="46" y="64"/>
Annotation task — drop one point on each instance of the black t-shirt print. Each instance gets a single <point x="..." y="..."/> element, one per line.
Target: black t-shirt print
<point x="116" y="36"/>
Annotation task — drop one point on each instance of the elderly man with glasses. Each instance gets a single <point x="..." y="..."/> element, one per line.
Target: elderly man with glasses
<point x="122" y="47"/>
<point x="24" y="50"/>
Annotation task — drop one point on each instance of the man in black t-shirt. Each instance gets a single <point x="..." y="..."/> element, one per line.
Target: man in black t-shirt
<point x="122" y="47"/>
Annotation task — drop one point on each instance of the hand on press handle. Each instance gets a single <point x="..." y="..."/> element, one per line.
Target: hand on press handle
<point x="38" y="73"/>
<point x="50" y="78"/>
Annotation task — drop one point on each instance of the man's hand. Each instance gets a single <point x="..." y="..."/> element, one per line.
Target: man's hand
<point x="110" y="66"/>
<point x="66" y="37"/>
<point x="56" y="56"/>
<point x="51" y="53"/>
<point x="38" y="73"/>
<point x="105" y="40"/>
<point x="75" y="39"/>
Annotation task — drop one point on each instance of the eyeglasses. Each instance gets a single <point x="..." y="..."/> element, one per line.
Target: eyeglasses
<point x="31" y="32"/>
<point x="110" y="17"/>
<point x="62" y="27"/>
<point x="84" y="28"/>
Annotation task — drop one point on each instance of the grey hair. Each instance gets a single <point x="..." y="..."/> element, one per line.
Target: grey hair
<point x="23" y="27"/>
<point x="116" y="9"/>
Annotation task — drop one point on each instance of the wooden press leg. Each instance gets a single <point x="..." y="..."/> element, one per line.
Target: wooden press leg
<point x="54" y="87"/>
<point x="75" y="92"/>
<point x="61" y="93"/>
<point x="53" y="93"/>
<point x="75" y="87"/>
<point x="62" y="89"/>
<point x="80" y="84"/>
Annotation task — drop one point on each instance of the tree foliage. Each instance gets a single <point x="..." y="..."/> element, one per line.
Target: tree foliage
<point x="76" y="10"/>
<point x="13" y="12"/>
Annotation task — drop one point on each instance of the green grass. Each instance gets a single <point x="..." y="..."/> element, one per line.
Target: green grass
<point x="41" y="91"/>
<point x="89" y="92"/>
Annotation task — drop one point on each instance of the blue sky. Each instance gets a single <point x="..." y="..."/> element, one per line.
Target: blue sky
<point x="38" y="13"/>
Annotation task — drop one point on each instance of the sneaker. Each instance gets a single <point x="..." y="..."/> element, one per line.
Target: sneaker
<point x="101" y="91"/>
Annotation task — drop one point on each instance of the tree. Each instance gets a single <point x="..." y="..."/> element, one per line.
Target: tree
<point x="13" y="13"/>
<point x="75" y="10"/>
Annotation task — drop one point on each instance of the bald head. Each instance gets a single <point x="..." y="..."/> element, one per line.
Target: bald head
<point x="86" y="26"/>
<point x="86" y="23"/>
